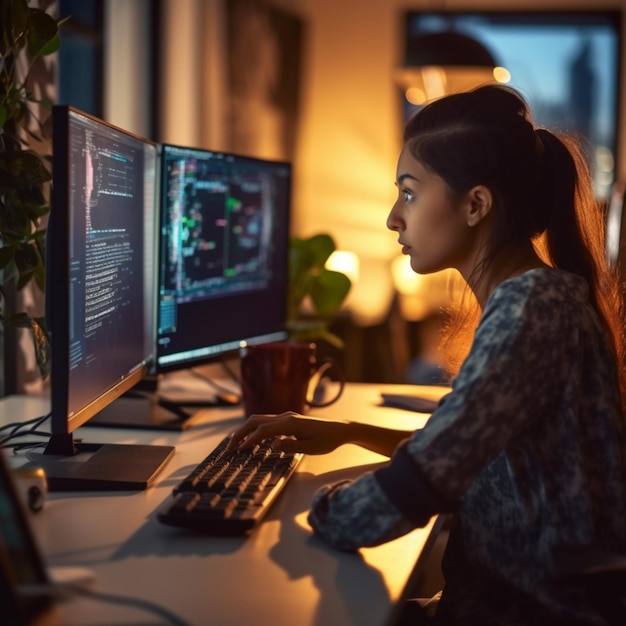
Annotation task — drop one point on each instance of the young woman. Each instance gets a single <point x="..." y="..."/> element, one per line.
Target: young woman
<point x="528" y="450"/>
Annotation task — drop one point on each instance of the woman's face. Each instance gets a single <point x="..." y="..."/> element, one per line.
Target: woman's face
<point x="432" y="227"/>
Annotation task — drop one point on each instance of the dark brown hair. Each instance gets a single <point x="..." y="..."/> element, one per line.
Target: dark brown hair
<point x="540" y="183"/>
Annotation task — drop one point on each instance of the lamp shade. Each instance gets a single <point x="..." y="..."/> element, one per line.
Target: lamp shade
<point x="445" y="62"/>
<point x="447" y="48"/>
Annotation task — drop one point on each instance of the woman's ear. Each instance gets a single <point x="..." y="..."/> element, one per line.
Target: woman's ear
<point x="479" y="204"/>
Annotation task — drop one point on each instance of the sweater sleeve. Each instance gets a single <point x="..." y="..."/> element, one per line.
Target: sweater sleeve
<point x="352" y="514"/>
<point x="500" y="391"/>
<point x="376" y="508"/>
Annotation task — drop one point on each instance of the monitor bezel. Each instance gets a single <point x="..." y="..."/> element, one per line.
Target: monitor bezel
<point x="211" y="352"/>
<point x="57" y="297"/>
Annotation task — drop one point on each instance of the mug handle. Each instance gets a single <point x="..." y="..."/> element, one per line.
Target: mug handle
<point x="327" y="363"/>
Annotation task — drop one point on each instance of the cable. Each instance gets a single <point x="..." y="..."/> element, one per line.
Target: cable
<point x="16" y="427"/>
<point x="66" y="591"/>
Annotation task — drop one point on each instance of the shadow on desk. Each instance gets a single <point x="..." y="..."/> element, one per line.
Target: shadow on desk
<point x="333" y="576"/>
<point x="336" y="589"/>
<point x="283" y="540"/>
<point x="209" y="426"/>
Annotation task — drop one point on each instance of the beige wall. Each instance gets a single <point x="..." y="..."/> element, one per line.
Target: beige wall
<point x="351" y="126"/>
<point x="350" y="123"/>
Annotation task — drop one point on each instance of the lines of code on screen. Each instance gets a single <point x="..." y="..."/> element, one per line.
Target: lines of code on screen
<point x="107" y="195"/>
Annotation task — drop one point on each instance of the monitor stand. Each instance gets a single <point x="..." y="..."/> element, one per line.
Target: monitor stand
<point x="153" y="412"/>
<point x="144" y="406"/>
<point x="75" y="466"/>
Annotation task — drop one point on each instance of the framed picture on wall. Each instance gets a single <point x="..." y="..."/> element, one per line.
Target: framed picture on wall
<point x="264" y="67"/>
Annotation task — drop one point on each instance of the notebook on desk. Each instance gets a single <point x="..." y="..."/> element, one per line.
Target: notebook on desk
<point x="409" y="402"/>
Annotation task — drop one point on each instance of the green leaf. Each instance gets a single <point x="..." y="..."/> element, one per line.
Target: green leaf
<point x="41" y="30"/>
<point x="29" y="169"/>
<point x="22" y="171"/>
<point x="328" y="291"/>
<point x="309" y="277"/>
<point x="321" y="247"/>
<point x="51" y="47"/>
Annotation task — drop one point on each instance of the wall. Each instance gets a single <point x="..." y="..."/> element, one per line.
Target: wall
<point x="126" y="55"/>
<point x="350" y="125"/>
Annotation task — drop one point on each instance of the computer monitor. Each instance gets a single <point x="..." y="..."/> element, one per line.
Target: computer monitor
<point x="99" y="300"/>
<point x="223" y="254"/>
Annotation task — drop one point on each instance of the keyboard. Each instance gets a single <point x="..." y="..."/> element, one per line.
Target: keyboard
<point x="230" y="495"/>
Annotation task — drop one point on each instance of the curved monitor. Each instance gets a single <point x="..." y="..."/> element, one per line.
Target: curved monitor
<point x="100" y="292"/>
<point x="223" y="259"/>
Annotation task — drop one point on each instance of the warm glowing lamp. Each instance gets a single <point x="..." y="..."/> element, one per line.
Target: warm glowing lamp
<point x="345" y="262"/>
<point x="446" y="62"/>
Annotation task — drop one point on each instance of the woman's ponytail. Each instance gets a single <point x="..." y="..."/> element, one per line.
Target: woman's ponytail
<point x="575" y="234"/>
<point x="563" y="208"/>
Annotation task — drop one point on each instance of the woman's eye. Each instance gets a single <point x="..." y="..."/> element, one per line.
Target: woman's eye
<point x="407" y="195"/>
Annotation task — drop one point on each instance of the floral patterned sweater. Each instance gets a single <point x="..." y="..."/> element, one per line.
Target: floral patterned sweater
<point x="526" y="452"/>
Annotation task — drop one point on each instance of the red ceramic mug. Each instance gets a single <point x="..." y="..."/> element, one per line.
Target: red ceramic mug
<point x="279" y="377"/>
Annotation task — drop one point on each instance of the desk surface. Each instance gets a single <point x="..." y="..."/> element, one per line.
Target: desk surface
<point x="281" y="574"/>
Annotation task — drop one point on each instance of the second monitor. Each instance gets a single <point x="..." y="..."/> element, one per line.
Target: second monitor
<point x="223" y="259"/>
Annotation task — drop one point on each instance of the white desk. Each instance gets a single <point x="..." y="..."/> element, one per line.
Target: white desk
<point x="281" y="574"/>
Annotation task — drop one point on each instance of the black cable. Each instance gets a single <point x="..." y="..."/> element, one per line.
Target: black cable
<point x="66" y="591"/>
<point x="19" y="425"/>
<point x="16" y="427"/>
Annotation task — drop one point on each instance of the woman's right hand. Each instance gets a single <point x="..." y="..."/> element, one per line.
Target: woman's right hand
<point x="290" y="432"/>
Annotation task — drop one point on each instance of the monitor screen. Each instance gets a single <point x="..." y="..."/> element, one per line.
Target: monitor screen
<point x="100" y="281"/>
<point x="223" y="254"/>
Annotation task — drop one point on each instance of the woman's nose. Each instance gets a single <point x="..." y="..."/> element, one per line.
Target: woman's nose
<point x="392" y="223"/>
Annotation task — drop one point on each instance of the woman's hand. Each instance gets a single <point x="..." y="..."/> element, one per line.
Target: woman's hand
<point x="291" y="432"/>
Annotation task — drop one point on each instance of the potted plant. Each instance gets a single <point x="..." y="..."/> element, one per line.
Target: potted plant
<point x="315" y="292"/>
<point x="26" y="34"/>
